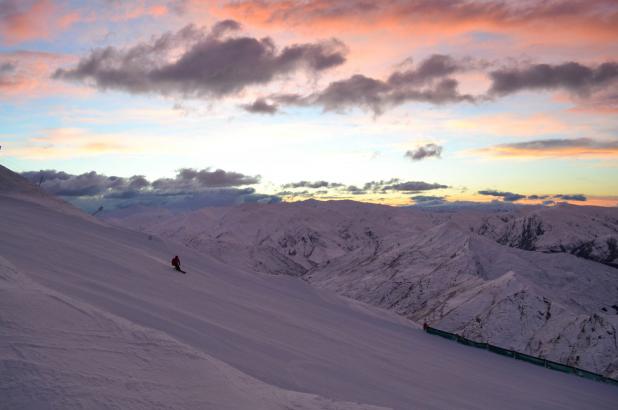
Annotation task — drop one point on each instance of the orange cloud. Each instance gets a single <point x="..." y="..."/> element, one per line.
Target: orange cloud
<point x="63" y="143"/>
<point x="511" y="125"/>
<point x="554" y="148"/>
<point x="35" y="19"/>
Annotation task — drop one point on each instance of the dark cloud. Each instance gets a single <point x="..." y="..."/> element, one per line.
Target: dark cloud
<point x="506" y="196"/>
<point x="187" y="181"/>
<point x="196" y="63"/>
<point x="571" y="76"/>
<point x="435" y="66"/>
<point x="189" y="189"/>
<point x="382" y="186"/>
<point x="413" y="186"/>
<point x="427" y="198"/>
<point x="429" y="201"/>
<point x="299" y="194"/>
<point x="562" y="143"/>
<point x="431" y="82"/>
<point x="357" y="90"/>
<point x="537" y="197"/>
<point x="38" y="177"/>
<point x="555" y="148"/>
<point x="354" y="190"/>
<point x="312" y="185"/>
<point x="575" y="197"/>
<point x="425" y="151"/>
<point x="261" y="106"/>
<point x="377" y="95"/>
<point x="426" y="83"/>
<point x="548" y="199"/>
<point x="63" y="184"/>
<point x="87" y="184"/>
<point x="378" y="186"/>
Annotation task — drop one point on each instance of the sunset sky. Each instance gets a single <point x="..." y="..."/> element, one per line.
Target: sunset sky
<point x="393" y="101"/>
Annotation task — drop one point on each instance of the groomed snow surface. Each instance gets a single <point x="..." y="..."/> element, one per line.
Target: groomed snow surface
<point x="93" y="316"/>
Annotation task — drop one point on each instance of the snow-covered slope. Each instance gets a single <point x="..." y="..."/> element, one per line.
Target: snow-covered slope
<point x="61" y="353"/>
<point x="432" y="267"/>
<point x="92" y="316"/>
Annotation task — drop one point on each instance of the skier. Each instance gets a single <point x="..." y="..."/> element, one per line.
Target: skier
<point x="176" y="264"/>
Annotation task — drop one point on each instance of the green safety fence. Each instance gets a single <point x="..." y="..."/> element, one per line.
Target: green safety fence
<point x="521" y="356"/>
<point x="530" y="359"/>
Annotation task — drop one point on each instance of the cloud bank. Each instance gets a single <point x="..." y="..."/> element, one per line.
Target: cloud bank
<point x="428" y="82"/>
<point x="557" y="148"/>
<point x="190" y="187"/>
<point x="570" y="76"/>
<point x="392" y="186"/>
<point x="506" y="196"/>
<point x="548" y="199"/>
<point x="313" y="185"/>
<point x="432" y="82"/>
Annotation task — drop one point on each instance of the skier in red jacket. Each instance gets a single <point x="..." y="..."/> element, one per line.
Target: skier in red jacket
<point x="176" y="264"/>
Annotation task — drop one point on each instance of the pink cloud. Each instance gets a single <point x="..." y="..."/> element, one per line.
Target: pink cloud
<point x="140" y="9"/>
<point x="27" y="74"/>
<point x="28" y="20"/>
<point x="587" y="20"/>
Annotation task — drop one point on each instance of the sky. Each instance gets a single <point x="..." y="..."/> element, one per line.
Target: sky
<point x="112" y="102"/>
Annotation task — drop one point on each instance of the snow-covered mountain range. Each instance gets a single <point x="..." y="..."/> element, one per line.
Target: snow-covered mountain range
<point x="540" y="280"/>
<point x="92" y="316"/>
<point x="584" y="231"/>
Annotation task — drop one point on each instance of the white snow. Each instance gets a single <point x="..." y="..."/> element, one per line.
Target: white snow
<point x="57" y="352"/>
<point x="92" y="316"/>
<point x="431" y="266"/>
<point x="586" y="231"/>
